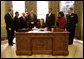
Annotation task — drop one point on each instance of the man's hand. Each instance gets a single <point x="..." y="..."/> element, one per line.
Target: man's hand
<point x="32" y="22"/>
<point x="65" y="29"/>
<point x="10" y="29"/>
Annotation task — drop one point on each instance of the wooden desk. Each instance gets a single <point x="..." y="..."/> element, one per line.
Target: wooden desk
<point x="42" y="42"/>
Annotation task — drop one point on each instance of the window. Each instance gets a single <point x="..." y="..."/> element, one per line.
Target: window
<point x="18" y="6"/>
<point x="64" y="5"/>
<point x="42" y="9"/>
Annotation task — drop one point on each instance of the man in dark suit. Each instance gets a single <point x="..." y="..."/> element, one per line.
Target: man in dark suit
<point x="23" y="22"/>
<point x="27" y="13"/>
<point x="16" y="21"/>
<point x="72" y="20"/>
<point x="32" y="19"/>
<point x="9" y="26"/>
<point x="50" y="19"/>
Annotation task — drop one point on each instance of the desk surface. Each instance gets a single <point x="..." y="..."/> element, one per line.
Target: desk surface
<point x="44" y="30"/>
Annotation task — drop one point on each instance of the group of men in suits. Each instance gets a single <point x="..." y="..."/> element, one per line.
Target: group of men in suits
<point x="30" y="20"/>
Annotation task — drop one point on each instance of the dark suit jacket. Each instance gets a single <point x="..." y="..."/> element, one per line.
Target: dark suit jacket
<point x="32" y="20"/>
<point x="9" y="21"/>
<point x="9" y="24"/>
<point x="71" y="21"/>
<point x="16" y="22"/>
<point x="50" y="20"/>
<point x="22" y="23"/>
